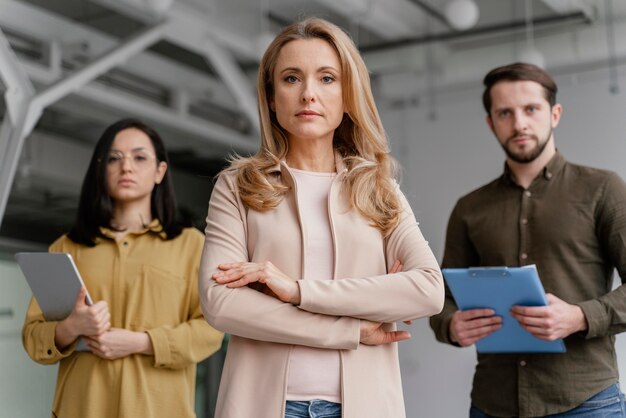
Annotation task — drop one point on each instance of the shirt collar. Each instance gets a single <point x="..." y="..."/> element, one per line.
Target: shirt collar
<point x="154" y="226"/>
<point x="554" y="166"/>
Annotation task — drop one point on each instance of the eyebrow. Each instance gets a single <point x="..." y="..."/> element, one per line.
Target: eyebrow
<point x="321" y="69"/>
<point x="132" y="150"/>
<point x="536" y="104"/>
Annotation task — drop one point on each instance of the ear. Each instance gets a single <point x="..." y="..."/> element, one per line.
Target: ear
<point x="555" y="114"/>
<point x="160" y="172"/>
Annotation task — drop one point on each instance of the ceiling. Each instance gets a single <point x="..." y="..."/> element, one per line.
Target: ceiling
<point x="188" y="67"/>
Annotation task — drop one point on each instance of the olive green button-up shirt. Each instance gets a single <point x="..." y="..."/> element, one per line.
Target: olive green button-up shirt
<point x="150" y="285"/>
<point x="571" y="223"/>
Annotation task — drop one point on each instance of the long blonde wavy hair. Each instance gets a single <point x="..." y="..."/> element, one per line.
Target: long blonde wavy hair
<point x="360" y="138"/>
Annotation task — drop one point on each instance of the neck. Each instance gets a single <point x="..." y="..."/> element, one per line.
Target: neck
<point x="314" y="156"/>
<point x="131" y="217"/>
<point x="525" y="173"/>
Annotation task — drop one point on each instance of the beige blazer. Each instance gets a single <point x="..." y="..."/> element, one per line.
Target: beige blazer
<point x="264" y="330"/>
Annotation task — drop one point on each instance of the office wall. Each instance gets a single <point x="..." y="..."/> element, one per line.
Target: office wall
<point x="26" y="388"/>
<point x="452" y="154"/>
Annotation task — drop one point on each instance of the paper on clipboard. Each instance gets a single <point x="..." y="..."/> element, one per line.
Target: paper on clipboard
<point x="500" y="288"/>
<point x="55" y="282"/>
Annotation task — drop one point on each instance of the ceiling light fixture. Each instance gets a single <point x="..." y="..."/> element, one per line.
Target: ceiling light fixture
<point x="529" y="53"/>
<point x="462" y="14"/>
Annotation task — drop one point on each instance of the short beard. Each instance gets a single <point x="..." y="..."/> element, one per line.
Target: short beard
<point x="530" y="157"/>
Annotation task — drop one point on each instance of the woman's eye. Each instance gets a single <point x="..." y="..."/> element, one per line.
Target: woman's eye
<point x="291" y="79"/>
<point x="328" y="79"/>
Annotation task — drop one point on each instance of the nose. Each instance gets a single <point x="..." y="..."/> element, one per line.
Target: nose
<point x="127" y="164"/>
<point x="520" y="122"/>
<point x="308" y="93"/>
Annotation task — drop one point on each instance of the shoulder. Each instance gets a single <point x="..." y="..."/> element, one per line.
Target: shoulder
<point x="480" y="194"/>
<point x="190" y="236"/>
<point x="226" y="181"/>
<point x="593" y="178"/>
<point x="62" y="244"/>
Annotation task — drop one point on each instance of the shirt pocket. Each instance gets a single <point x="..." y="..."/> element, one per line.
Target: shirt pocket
<point x="156" y="298"/>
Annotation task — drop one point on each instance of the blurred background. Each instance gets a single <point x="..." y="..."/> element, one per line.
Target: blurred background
<point x="69" y="68"/>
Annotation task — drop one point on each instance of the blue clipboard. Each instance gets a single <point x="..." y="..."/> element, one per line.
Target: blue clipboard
<point x="500" y="288"/>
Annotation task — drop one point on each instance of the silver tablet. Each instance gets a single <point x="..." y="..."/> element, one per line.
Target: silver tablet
<point x="54" y="281"/>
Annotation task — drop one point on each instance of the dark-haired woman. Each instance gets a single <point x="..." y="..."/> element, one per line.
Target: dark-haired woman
<point x="145" y="331"/>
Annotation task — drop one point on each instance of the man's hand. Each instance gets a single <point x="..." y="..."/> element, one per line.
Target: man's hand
<point x="471" y="325"/>
<point x="557" y="320"/>
<point x="372" y="333"/>
<point x="241" y="274"/>
<point x="118" y="343"/>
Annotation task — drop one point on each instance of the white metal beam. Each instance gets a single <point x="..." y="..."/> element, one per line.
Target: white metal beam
<point x="233" y="76"/>
<point x="187" y="22"/>
<point x="19" y="88"/>
<point x="389" y="19"/>
<point x="94" y="69"/>
<point x="45" y="26"/>
<point x="38" y="24"/>
<point x="186" y="123"/>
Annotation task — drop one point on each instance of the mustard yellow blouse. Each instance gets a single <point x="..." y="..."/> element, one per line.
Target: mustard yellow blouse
<point x="150" y="285"/>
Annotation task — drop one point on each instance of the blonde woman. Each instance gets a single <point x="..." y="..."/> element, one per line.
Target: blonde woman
<point x="300" y="263"/>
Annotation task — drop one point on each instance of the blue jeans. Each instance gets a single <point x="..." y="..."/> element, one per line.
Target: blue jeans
<point x="608" y="403"/>
<point x="312" y="409"/>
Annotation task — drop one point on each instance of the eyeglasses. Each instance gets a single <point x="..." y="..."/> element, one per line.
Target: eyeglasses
<point x="138" y="159"/>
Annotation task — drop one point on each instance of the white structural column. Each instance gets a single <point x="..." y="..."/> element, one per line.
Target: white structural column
<point x="19" y="92"/>
<point x="24" y="107"/>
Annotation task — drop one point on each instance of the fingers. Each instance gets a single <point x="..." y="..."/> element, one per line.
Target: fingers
<point x="469" y="326"/>
<point x="80" y="297"/>
<point x="474" y="313"/>
<point x="96" y="319"/>
<point x="395" y="336"/>
<point x="397" y="267"/>
<point x="239" y="278"/>
<point x="241" y="274"/>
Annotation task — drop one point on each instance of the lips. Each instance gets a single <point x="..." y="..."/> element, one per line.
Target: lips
<point x="126" y="182"/>
<point x="308" y="113"/>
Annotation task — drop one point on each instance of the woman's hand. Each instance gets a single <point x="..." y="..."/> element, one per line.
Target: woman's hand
<point x="235" y="275"/>
<point x="117" y="343"/>
<point x="83" y="320"/>
<point x="372" y="333"/>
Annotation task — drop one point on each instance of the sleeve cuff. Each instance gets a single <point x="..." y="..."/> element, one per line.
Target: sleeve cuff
<point x="48" y="351"/>
<point x="597" y="319"/>
<point x="304" y="302"/>
<point x="161" y="347"/>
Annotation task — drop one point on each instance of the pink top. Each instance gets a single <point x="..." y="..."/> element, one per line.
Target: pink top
<point x="314" y="373"/>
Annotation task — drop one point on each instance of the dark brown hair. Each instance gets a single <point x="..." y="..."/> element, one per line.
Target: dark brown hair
<point x="95" y="208"/>
<point x="519" y="71"/>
